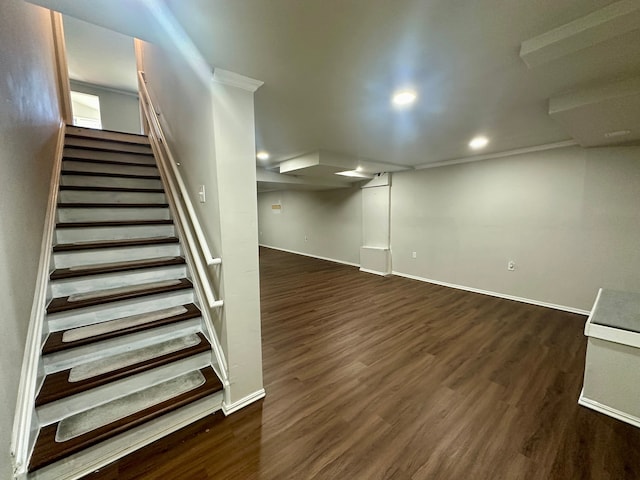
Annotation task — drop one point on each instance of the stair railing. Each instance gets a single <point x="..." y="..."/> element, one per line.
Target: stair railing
<point x="197" y="248"/>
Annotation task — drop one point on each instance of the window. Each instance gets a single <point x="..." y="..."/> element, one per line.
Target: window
<point x="86" y="110"/>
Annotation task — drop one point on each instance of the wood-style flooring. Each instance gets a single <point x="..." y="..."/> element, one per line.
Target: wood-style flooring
<point x="389" y="378"/>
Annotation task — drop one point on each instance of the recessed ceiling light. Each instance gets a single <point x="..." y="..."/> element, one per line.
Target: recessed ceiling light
<point x="479" y="142"/>
<point x="403" y="98"/>
<point x="262" y="155"/>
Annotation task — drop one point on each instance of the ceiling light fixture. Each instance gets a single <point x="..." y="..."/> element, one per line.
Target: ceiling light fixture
<point x="404" y="98"/>
<point x="354" y="174"/>
<point x="479" y="142"/>
<point x="617" y="133"/>
<point x="262" y="155"/>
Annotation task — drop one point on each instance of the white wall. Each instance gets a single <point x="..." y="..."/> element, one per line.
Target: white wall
<point x="29" y="120"/>
<point x="119" y="111"/>
<point x="569" y="218"/>
<point x="330" y="220"/>
<point x="211" y="130"/>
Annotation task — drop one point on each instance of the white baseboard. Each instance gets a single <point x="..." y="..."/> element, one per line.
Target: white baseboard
<point x="243" y="402"/>
<point x="310" y="255"/>
<point x="538" y="303"/>
<point x="375" y="272"/>
<point x="496" y="294"/>
<point x="606" y="410"/>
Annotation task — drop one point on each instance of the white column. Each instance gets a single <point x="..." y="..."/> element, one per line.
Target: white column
<point x="234" y="130"/>
<point x="375" y="253"/>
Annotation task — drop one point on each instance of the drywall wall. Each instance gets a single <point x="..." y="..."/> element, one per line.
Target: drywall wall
<point x="568" y="218"/>
<point x="325" y="224"/>
<point x="29" y="121"/>
<point x="119" y="110"/>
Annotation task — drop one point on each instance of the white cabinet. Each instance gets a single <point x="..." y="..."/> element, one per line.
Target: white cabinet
<point x="612" y="366"/>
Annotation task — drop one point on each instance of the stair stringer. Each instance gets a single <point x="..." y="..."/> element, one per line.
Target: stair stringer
<point x="25" y="424"/>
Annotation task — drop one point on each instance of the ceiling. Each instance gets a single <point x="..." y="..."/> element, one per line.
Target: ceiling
<point x="330" y="67"/>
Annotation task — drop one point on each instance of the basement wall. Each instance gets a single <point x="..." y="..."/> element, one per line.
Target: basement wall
<point x="319" y="223"/>
<point x="119" y="111"/>
<point x="29" y="123"/>
<point x="569" y="218"/>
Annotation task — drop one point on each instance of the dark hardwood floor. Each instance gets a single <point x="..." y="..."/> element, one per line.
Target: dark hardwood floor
<point x="389" y="378"/>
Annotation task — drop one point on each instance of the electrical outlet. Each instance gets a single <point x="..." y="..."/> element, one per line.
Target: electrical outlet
<point x="511" y="265"/>
<point x="414" y="254"/>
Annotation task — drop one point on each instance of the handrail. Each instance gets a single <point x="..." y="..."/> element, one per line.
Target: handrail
<point x="185" y="221"/>
<point x="210" y="259"/>
<point x="202" y="243"/>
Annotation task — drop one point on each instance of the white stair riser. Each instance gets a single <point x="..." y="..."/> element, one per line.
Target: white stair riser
<point x="106" y="134"/>
<point x="72" y="235"/>
<point x="63" y="288"/>
<point x="70" y="152"/>
<point x="106" y="145"/>
<point x="89" y="181"/>
<point x="114" y="310"/>
<point x="109" y="168"/>
<point x="60" y="409"/>
<point x="110" y="214"/>
<point x="80" y="196"/>
<point x="56" y="362"/>
<point x="109" y="255"/>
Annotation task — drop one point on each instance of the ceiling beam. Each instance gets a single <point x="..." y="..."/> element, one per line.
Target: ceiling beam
<point x="609" y="22"/>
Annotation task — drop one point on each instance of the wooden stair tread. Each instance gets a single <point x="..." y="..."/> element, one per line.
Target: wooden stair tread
<point x="113" y="223"/>
<point x="62" y="304"/>
<point x="109" y="174"/>
<point x="81" y="188"/>
<point x="55" y="343"/>
<point x="125" y="242"/>
<point x="107" y="145"/>
<point x="61" y="273"/>
<point x="103" y="134"/>
<point x="108" y="162"/>
<point x="48" y="451"/>
<point x="111" y="205"/>
<point x="57" y="385"/>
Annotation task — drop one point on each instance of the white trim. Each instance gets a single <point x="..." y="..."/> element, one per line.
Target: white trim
<point x="243" y="402"/>
<point x="62" y="66"/>
<point x="605" y="409"/>
<point x="21" y="435"/>
<point x="96" y="86"/>
<point x="495" y="294"/>
<point x="375" y="272"/>
<point x="310" y="255"/>
<point x="506" y="153"/>
<point x="233" y="79"/>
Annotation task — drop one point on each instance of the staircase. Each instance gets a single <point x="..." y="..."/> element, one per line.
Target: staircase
<point x="126" y="343"/>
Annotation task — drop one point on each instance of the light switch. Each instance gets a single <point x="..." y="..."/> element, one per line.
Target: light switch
<point x="201" y="194"/>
